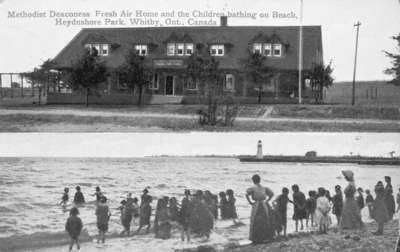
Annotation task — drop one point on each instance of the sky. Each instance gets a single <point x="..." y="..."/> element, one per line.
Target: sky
<point x="126" y="145"/>
<point x="27" y="42"/>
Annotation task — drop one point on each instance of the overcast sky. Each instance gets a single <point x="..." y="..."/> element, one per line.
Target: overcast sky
<point x="27" y="42"/>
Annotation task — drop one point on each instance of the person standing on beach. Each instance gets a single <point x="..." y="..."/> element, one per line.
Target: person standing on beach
<point x="78" y="198"/>
<point x="184" y="215"/>
<point x="299" y="201"/>
<point x="65" y="197"/>
<point x="351" y="216"/>
<point x="144" y="196"/>
<point x="369" y="200"/>
<point x="322" y="212"/>
<point x="398" y="201"/>
<point x="74" y="227"/>
<point x="173" y="209"/>
<point x="103" y="216"/>
<point x="145" y="212"/>
<point x="337" y="201"/>
<point x="311" y="205"/>
<point x="162" y="224"/>
<point x="261" y="224"/>
<point x="389" y="199"/>
<point x="360" y="199"/>
<point x="380" y="213"/>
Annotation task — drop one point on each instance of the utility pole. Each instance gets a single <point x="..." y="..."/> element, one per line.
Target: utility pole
<point x="353" y="95"/>
<point x="300" y="50"/>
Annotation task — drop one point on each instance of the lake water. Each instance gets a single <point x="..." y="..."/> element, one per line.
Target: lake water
<point x="30" y="189"/>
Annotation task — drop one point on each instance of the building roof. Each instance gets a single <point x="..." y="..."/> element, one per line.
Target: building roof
<point x="239" y="38"/>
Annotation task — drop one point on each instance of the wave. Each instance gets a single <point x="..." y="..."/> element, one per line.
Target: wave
<point x="39" y="240"/>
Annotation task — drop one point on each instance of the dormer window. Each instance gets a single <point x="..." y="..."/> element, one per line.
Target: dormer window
<point x="141" y="50"/>
<point x="189" y="49"/>
<point x="267" y="49"/>
<point x="102" y="49"/>
<point x="257" y="48"/>
<point x="277" y="50"/>
<point x="217" y="50"/>
<point x="180" y="49"/>
<point x="171" y="49"/>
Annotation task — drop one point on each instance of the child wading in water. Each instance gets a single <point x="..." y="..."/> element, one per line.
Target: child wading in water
<point x="337" y="201"/>
<point x="74" y="227"/>
<point x="103" y="216"/>
<point x="78" y="198"/>
<point x="65" y="197"/>
<point x="230" y="207"/>
<point x="299" y="201"/>
<point x="311" y="205"/>
<point x="282" y="201"/>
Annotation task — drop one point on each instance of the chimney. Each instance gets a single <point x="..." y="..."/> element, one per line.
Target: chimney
<point x="223" y="21"/>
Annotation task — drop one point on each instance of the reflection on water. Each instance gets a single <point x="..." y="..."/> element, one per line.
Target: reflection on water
<point x="30" y="188"/>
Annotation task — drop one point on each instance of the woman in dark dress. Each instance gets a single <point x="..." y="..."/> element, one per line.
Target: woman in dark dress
<point x="223" y="205"/>
<point x="184" y="215"/>
<point x="261" y="224"/>
<point x="231" y="208"/>
<point x="299" y="202"/>
<point x="337" y="201"/>
<point x="389" y="199"/>
<point x="351" y="216"/>
<point x="379" y="211"/>
<point x="162" y="225"/>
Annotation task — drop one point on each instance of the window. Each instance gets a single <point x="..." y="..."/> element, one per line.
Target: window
<point x="230" y="82"/>
<point x="180" y="49"/>
<point x="154" y="83"/>
<point x="141" y="50"/>
<point x="267" y="49"/>
<point x="217" y="50"/>
<point x="277" y="50"/>
<point x="192" y="84"/>
<point x="171" y="49"/>
<point x="189" y="49"/>
<point x="257" y="48"/>
<point x="102" y="49"/>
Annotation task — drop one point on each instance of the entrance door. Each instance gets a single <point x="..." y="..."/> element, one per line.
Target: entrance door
<point x="169" y="85"/>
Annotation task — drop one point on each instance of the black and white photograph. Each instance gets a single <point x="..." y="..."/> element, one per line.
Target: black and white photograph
<point x="171" y="125"/>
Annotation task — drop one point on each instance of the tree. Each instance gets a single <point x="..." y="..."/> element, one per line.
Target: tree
<point x="87" y="73"/>
<point x="395" y="69"/>
<point x="136" y="73"/>
<point x="257" y="71"/>
<point x="320" y="77"/>
<point x="205" y="70"/>
<point x="41" y="75"/>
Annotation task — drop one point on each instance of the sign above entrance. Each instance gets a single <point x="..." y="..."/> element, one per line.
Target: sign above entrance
<point x="166" y="63"/>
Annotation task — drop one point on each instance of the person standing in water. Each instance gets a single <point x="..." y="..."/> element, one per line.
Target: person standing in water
<point x="74" y="227"/>
<point x="145" y="213"/>
<point x="360" y="199"/>
<point x="78" y="198"/>
<point x="223" y="205"/>
<point x="261" y="224"/>
<point x="103" y="216"/>
<point x="282" y="202"/>
<point x="311" y="205"/>
<point x="98" y="194"/>
<point x="201" y="220"/>
<point x="231" y="212"/>
<point x="389" y="199"/>
<point x="299" y="202"/>
<point x="184" y="215"/>
<point x="351" y="217"/>
<point x="65" y="197"/>
<point x="322" y="211"/>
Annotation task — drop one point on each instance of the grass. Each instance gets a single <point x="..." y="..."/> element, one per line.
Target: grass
<point x="74" y="123"/>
